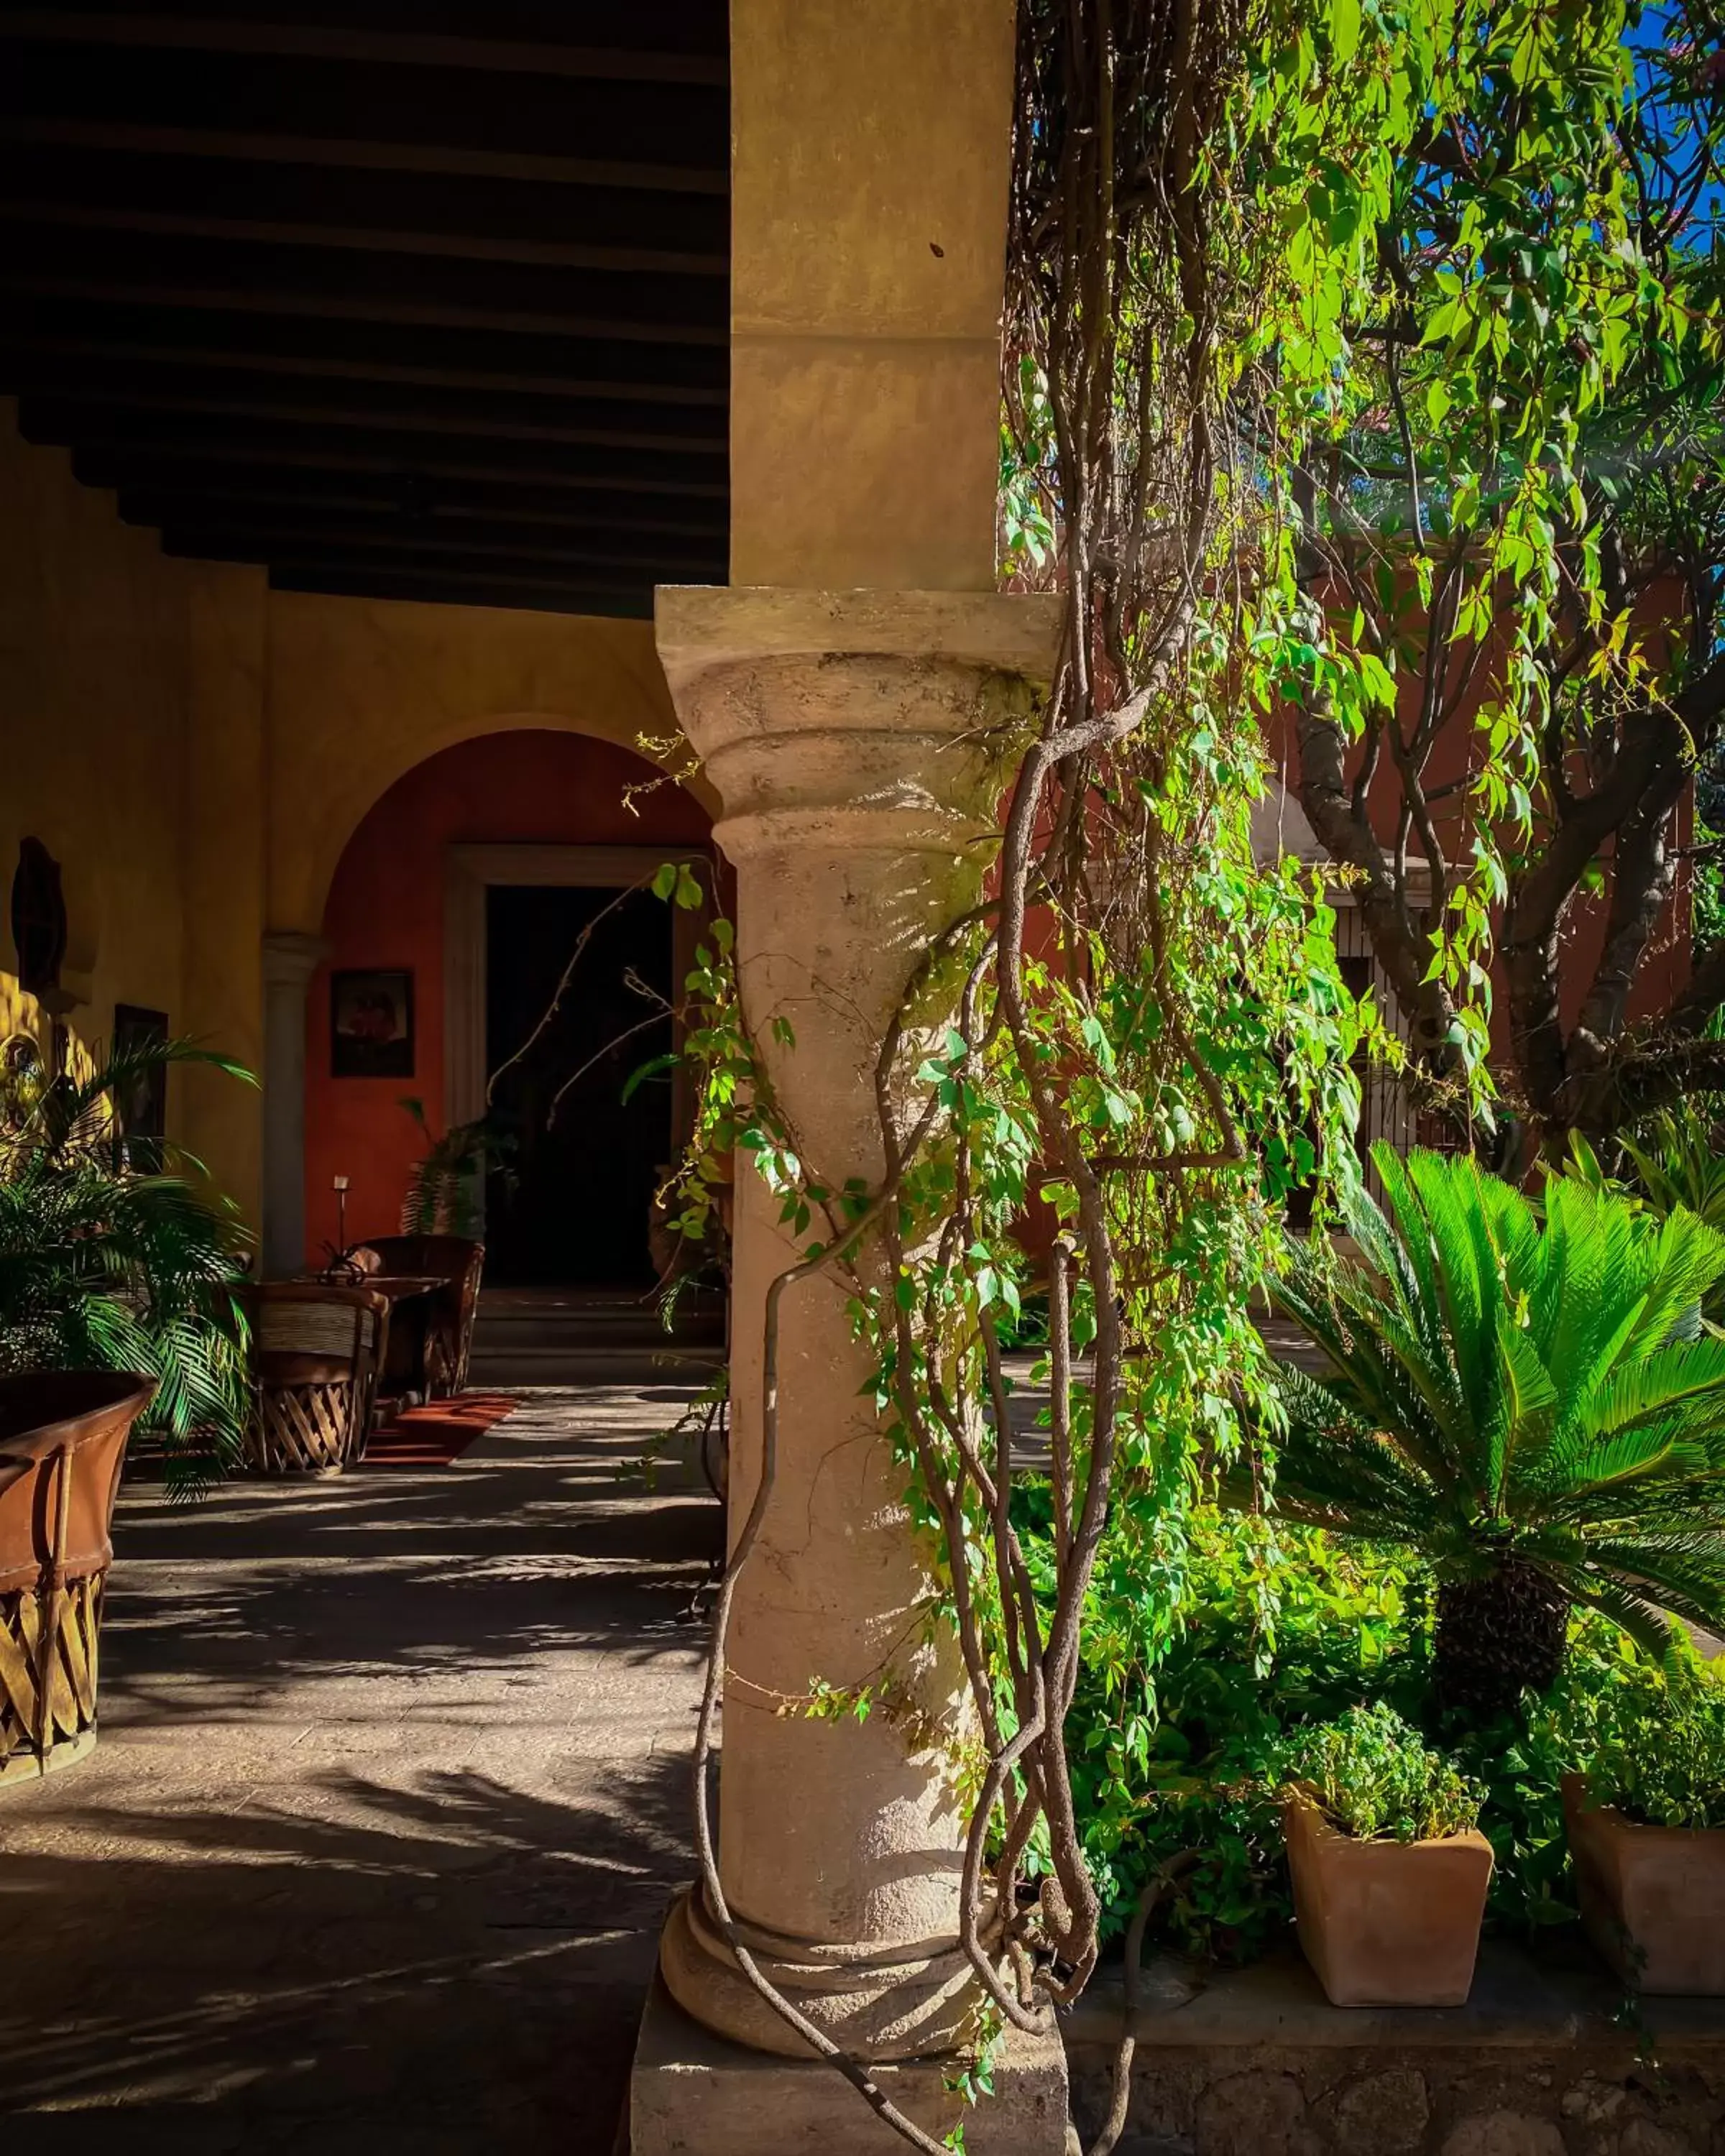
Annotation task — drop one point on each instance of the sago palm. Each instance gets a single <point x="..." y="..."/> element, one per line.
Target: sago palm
<point x="1524" y="1394"/>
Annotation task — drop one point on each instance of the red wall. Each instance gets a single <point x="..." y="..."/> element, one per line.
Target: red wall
<point x="385" y="909"/>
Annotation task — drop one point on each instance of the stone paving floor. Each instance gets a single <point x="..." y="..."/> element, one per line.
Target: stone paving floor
<point x="390" y="1797"/>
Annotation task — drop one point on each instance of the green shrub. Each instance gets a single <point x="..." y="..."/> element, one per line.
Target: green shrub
<point x="1370" y="1774"/>
<point x="1275" y="1632"/>
<point x="1177" y="1742"/>
<point x="1215" y="1650"/>
<point x="1652" y="1742"/>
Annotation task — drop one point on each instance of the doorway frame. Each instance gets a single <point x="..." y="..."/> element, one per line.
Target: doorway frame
<point x="470" y="870"/>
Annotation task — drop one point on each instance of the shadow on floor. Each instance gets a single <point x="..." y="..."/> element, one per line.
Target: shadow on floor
<point x="391" y="1798"/>
<point x="453" y="1966"/>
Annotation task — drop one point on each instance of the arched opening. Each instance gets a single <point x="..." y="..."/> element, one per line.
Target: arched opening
<point x="457" y="905"/>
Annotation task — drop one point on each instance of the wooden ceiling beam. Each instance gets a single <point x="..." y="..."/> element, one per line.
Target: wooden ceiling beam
<point x="308" y="346"/>
<point x="236" y="145"/>
<point x="101" y="457"/>
<point x="75" y="385"/>
<point x="262" y="537"/>
<point x="407" y="212"/>
<point x="221" y="224"/>
<point x="696" y="26"/>
<point x="462" y="161"/>
<point x="681" y="125"/>
<point x="157" y="268"/>
<point x="128" y="351"/>
<point x="371" y="46"/>
<point x="541" y="594"/>
<point x="185" y="493"/>
<point x="398" y="298"/>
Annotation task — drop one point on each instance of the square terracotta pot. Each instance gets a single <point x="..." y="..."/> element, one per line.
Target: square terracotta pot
<point x="1652" y="1897"/>
<point x="1387" y="1923"/>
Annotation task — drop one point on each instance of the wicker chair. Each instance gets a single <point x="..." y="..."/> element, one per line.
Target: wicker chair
<point x="458" y="1264"/>
<point x="316" y="1354"/>
<point x="62" y="1440"/>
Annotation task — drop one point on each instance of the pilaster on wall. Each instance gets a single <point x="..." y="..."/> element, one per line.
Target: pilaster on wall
<point x="870" y="158"/>
<point x="223" y="869"/>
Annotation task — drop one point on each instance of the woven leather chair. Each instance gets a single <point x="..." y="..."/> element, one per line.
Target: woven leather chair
<point x="458" y="1264"/>
<point x="62" y="1440"/>
<point x="317" y="1355"/>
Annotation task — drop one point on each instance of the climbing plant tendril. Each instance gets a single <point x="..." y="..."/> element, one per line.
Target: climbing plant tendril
<point x="1139" y="1048"/>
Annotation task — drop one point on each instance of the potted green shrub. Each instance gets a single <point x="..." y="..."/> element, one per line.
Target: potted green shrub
<point x="1523" y="1395"/>
<point x="1647" y="1824"/>
<point x="1390" y="1869"/>
<point x="104" y="1268"/>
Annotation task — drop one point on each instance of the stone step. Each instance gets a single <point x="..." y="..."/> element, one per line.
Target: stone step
<point x="549" y="1337"/>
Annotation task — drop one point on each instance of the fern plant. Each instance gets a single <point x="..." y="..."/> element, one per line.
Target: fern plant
<point x="1525" y="1400"/>
<point x="101" y="1268"/>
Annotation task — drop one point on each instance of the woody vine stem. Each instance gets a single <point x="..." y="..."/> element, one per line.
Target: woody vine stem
<point x="1140" y="1038"/>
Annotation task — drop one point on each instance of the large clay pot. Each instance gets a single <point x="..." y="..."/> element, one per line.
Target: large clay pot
<point x="1387" y="1923"/>
<point x="1652" y="1897"/>
<point x="62" y="1440"/>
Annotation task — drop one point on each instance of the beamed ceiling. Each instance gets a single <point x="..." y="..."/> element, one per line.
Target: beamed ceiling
<point x="412" y="298"/>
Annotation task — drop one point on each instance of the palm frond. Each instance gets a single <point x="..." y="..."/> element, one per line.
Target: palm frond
<point x="101" y="1268"/>
<point x="1506" y="1389"/>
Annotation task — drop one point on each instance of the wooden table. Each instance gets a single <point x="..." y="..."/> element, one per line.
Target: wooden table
<point x="409" y="1296"/>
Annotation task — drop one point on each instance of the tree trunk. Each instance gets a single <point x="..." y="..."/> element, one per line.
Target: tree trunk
<point x="1497" y="1636"/>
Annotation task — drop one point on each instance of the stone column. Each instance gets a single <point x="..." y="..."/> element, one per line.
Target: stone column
<point x="861" y="742"/>
<point x="290" y="961"/>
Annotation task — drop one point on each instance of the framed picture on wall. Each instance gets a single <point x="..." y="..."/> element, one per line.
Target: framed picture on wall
<point x="372" y="1023"/>
<point x="141" y="1109"/>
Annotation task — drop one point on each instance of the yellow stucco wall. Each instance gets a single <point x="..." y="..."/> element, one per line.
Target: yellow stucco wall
<point x="361" y="690"/>
<point x="196" y="750"/>
<point x="93" y="659"/>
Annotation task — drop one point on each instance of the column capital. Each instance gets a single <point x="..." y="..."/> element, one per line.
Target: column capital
<point x="291" y="957"/>
<point x="854" y="719"/>
<point x="700" y="626"/>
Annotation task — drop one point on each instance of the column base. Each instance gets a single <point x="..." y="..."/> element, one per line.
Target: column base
<point x="692" y="2093"/>
<point x="879" y="2003"/>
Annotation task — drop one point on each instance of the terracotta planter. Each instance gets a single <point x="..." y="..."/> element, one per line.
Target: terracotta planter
<point x="62" y="1440"/>
<point x="1387" y="1923"/>
<point x="1652" y="1897"/>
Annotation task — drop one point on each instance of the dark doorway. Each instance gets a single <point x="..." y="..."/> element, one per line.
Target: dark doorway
<point x="571" y="1208"/>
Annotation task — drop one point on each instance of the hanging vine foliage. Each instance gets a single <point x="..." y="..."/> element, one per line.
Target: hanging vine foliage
<point x="1151" y="1050"/>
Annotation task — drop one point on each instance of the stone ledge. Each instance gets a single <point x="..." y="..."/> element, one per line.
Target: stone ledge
<point x="1258" y="2063"/>
<point x="1519" y="2002"/>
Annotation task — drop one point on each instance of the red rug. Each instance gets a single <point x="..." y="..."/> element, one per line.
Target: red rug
<point x="434" y="1435"/>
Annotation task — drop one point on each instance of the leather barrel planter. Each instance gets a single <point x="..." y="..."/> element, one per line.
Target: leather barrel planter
<point x="62" y="1442"/>
<point x="317" y="1351"/>
<point x="1652" y="1897"/>
<point x="1387" y="1923"/>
